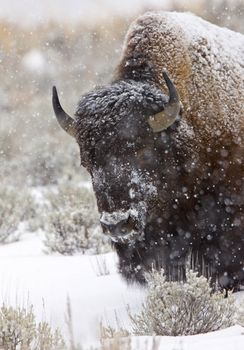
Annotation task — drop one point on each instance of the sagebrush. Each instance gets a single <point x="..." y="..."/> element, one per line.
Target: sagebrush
<point x="16" y="206"/>
<point x="20" y="331"/>
<point x="183" y="308"/>
<point x="73" y="223"/>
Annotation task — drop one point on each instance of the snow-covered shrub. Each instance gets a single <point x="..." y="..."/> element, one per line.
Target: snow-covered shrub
<point x="20" y="331"/>
<point x="73" y="223"/>
<point x="72" y="195"/>
<point x="182" y="308"/>
<point x="72" y="231"/>
<point x="16" y="206"/>
<point x="47" y="160"/>
<point x="46" y="163"/>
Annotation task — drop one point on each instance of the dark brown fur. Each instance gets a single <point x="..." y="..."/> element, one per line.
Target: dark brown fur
<point x="167" y="197"/>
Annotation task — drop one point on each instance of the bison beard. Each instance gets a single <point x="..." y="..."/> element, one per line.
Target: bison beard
<point x="169" y="180"/>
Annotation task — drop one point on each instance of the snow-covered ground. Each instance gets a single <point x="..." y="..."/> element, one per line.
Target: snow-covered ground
<point x="96" y="292"/>
<point x="231" y="338"/>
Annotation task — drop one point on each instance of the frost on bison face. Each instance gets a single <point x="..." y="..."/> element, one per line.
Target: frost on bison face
<point x="168" y="175"/>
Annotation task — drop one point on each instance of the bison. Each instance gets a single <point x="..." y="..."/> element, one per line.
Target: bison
<point x="163" y="144"/>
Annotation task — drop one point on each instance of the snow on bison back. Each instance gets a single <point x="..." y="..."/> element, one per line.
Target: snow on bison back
<point x="168" y="175"/>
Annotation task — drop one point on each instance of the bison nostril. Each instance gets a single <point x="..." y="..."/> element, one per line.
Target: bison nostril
<point x="107" y="227"/>
<point x="130" y="224"/>
<point x="122" y="227"/>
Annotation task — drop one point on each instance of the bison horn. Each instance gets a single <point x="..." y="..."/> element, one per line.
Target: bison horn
<point x="65" y="121"/>
<point x="168" y="115"/>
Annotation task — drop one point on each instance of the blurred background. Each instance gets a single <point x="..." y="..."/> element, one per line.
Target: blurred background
<point x="75" y="45"/>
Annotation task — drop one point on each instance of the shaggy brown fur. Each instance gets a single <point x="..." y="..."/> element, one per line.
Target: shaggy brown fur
<point x="166" y="196"/>
<point x="206" y="63"/>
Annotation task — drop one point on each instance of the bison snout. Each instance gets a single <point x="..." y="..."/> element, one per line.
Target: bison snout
<point x="117" y="228"/>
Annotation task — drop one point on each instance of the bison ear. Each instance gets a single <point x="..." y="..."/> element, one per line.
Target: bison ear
<point x="65" y="121"/>
<point x="166" y="117"/>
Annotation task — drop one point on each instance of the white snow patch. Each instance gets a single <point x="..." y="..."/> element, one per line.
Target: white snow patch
<point x="29" y="244"/>
<point x="231" y="338"/>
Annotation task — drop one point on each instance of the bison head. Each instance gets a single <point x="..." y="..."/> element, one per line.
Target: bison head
<point x="130" y="163"/>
